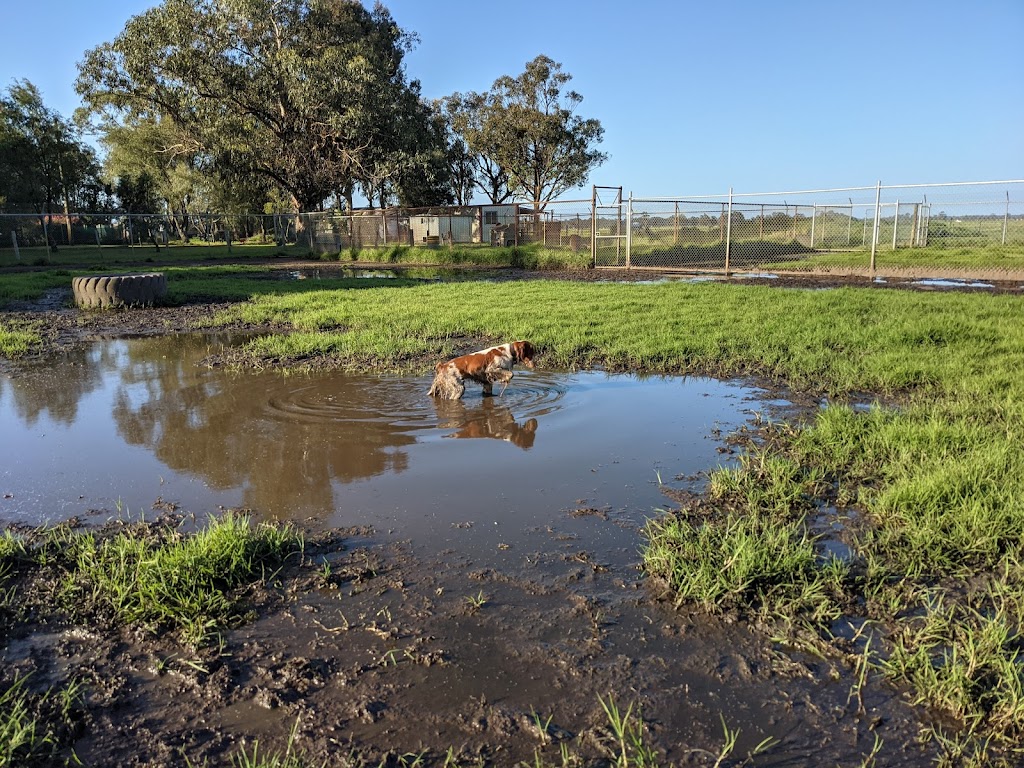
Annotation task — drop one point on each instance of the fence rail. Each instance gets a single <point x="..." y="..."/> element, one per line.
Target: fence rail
<point x="845" y="229"/>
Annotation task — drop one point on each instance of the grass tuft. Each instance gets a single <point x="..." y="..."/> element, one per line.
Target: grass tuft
<point x="172" y="581"/>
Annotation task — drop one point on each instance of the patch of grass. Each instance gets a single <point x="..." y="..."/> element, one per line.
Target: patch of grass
<point x="886" y="342"/>
<point x="36" y="727"/>
<point x="965" y="662"/>
<point x="161" y="579"/>
<point x="28" y="286"/>
<point x="531" y="256"/>
<point x="746" y="546"/>
<point x="17" y="342"/>
<point x="94" y="258"/>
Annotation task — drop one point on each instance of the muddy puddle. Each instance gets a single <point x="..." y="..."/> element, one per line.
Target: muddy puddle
<point x="114" y="426"/>
<point x="491" y="593"/>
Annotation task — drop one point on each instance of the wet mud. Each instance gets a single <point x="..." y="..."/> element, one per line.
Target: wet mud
<point x="384" y="654"/>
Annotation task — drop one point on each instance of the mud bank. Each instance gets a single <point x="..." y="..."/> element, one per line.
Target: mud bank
<point x="362" y="653"/>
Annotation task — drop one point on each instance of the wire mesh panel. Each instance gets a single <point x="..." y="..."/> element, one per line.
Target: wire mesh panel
<point x="942" y="216"/>
<point x="608" y="228"/>
<point x="678" y="233"/>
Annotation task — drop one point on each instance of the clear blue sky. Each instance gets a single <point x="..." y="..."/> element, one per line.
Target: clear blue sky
<point x="694" y="97"/>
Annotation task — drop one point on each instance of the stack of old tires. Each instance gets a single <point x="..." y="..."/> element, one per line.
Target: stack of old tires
<point x="119" y="290"/>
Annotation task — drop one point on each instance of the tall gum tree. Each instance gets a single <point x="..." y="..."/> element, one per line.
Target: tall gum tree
<point x="292" y="91"/>
<point x="525" y="133"/>
<point x="45" y="167"/>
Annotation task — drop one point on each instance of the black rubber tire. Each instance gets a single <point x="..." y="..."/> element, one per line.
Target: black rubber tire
<point x="119" y="290"/>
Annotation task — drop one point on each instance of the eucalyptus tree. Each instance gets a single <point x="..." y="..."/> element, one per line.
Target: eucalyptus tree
<point x="44" y="164"/>
<point x="291" y="91"/>
<point x="526" y="136"/>
<point x="407" y="156"/>
<point x="472" y="156"/>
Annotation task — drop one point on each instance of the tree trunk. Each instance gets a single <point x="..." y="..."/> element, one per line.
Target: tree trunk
<point x="67" y="207"/>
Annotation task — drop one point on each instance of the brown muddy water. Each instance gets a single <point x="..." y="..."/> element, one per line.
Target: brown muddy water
<point x="491" y="565"/>
<point x="108" y="429"/>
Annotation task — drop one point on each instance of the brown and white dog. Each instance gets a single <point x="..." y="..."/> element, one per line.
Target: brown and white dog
<point x="486" y="366"/>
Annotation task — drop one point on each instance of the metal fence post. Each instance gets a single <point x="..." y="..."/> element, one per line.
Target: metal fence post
<point x="593" y="226"/>
<point x="728" y="233"/>
<point x="14" y="242"/>
<point x="895" y="223"/>
<point x="629" y="230"/>
<point x="874" y="229"/>
<point x="1006" y="216"/>
<point x="814" y="217"/>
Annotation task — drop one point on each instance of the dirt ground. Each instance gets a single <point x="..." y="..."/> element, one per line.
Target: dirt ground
<point x="387" y="656"/>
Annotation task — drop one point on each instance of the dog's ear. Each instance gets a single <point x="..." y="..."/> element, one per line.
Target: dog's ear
<point x="524" y="352"/>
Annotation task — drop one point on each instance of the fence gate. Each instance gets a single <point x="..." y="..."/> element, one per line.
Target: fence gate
<point x="608" y="232"/>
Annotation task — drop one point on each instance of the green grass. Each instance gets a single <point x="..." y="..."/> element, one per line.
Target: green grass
<point x="86" y="257"/>
<point x="829" y="341"/>
<point x="933" y="474"/>
<point x="951" y="256"/>
<point x="531" y="256"/>
<point x="27" y="286"/>
<point x="94" y="258"/>
<point x="17" y="342"/>
<point x="162" y="580"/>
<point x="35" y="728"/>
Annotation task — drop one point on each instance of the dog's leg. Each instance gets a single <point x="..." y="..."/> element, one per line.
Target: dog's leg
<point x="506" y="377"/>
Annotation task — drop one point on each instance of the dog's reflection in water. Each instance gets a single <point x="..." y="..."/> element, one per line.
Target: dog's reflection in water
<point x="488" y="419"/>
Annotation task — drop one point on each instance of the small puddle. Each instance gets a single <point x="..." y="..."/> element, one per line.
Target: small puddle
<point x="951" y="283"/>
<point x="335" y="271"/>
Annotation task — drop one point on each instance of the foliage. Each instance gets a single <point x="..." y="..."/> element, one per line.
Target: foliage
<point x="302" y="94"/>
<point x="524" y="135"/>
<point x="35" y="727"/>
<point x="43" y="162"/>
<point x="16" y="342"/>
<point x="171" y="581"/>
<point x="469" y="163"/>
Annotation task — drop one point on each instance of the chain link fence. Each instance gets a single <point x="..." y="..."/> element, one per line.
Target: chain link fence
<point x="563" y="224"/>
<point x="138" y="229"/>
<point x="852" y="230"/>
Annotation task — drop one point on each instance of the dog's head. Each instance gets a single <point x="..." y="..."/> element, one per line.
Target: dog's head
<point x="523" y="352"/>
